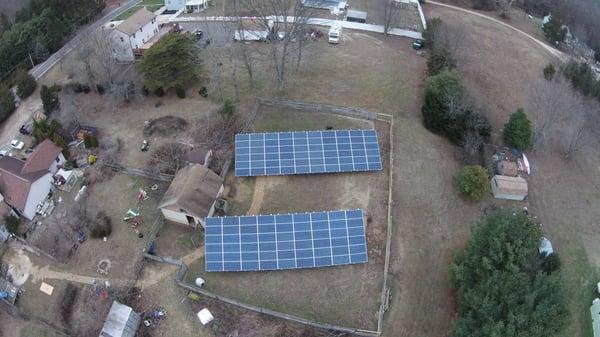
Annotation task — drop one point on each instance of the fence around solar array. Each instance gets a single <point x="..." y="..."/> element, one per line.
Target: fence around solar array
<point x="302" y="152"/>
<point x="285" y="241"/>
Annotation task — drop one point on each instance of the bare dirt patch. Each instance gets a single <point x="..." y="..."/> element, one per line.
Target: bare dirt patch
<point x="165" y="126"/>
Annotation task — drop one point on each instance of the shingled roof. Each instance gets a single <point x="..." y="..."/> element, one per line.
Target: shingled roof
<point x="14" y="184"/>
<point x="193" y="191"/>
<point x="16" y="176"/>
<point x="138" y="20"/>
<point x="42" y="157"/>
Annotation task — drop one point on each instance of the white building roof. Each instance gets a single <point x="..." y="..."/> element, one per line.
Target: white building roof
<point x="595" y="311"/>
<point x="121" y="321"/>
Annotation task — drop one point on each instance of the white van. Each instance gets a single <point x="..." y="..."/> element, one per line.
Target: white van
<point x="335" y="33"/>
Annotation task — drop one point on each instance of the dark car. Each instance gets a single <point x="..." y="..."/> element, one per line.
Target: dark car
<point x="26" y="129"/>
<point x="418" y="44"/>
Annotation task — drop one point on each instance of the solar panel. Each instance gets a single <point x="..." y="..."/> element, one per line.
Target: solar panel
<point x="302" y="152"/>
<point x="285" y="241"/>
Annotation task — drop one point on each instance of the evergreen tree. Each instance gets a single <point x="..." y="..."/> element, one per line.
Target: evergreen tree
<point x="170" y="63"/>
<point x="554" y="29"/>
<point x="517" y="131"/>
<point x="502" y="288"/>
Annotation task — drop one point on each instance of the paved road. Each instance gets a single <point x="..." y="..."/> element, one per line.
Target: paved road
<point x="43" y="68"/>
<point x="544" y="45"/>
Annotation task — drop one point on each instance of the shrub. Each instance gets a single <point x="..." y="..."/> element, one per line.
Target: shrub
<point x="101" y="226"/>
<point x="145" y="91"/>
<point x="582" y="78"/>
<point x="486" y="5"/>
<point x="203" y="92"/>
<point x="7" y="103"/>
<point x="473" y="181"/>
<point x="90" y="141"/>
<point x="12" y="223"/>
<point x="517" y="131"/>
<point x="25" y="84"/>
<point x="100" y="89"/>
<point x="228" y="108"/>
<point x="549" y="72"/>
<point x="160" y="92"/>
<point x="597" y="54"/>
<point x="550" y="263"/>
<point x="180" y="92"/>
<point x="49" y="97"/>
<point x="439" y="60"/>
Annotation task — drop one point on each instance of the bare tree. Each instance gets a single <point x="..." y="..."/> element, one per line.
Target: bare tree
<point x="169" y="158"/>
<point x="285" y="22"/>
<point x="390" y="15"/>
<point x="580" y="129"/>
<point x="505" y="6"/>
<point x="94" y="59"/>
<point x="550" y="103"/>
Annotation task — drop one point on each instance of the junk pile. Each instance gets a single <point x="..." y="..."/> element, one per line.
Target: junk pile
<point x="153" y="318"/>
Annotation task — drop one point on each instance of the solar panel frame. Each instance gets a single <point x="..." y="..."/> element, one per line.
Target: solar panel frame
<point x="306" y="152"/>
<point x="285" y="241"/>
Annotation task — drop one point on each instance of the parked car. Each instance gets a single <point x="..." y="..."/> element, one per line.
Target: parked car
<point x="4" y="153"/>
<point x="418" y="44"/>
<point x="26" y="129"/>
<point x="17" y="144"/>
<point x="197" y="34"/>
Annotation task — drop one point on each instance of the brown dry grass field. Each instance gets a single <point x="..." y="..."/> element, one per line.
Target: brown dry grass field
<point x="430" y="220"/>
<point x="319" y="294"/>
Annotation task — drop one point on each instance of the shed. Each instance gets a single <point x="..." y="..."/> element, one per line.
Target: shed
<point x="192" y="194"/>
<point x="121" y="321"/>
<point x="511" y="188"/>
<point x="545" y="247"/>
<point x="595" y="311"/>
<point x="356" y="16"/>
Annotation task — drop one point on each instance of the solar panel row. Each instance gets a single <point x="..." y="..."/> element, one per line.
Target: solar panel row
<point x="259" y="154"/>
<point x="285" y="241"/>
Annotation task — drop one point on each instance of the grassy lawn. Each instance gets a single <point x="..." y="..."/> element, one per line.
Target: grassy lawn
<point x="151" y="5"/>
<point x="580" y="280"/>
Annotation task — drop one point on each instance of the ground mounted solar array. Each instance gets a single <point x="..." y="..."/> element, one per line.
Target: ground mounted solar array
<point x="302" y="152"/>
<point x="285" y="241"/>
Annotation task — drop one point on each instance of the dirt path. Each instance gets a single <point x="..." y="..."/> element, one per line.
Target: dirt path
<point x="547" y="47"/>
<point x="258" y="196"/>
<point x="22" y="269"/>
<point x="157" y="273"/>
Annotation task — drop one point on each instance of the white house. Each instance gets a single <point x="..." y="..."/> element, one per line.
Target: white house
<point x="187" y="5"/>
<point x="26" y="184"/>
<point x="131" y="34"/>
<point x="191" y="196"/>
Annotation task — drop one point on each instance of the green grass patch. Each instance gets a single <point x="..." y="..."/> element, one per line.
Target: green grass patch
<point x="151" y="5"/>
<point x="580" y="282"/>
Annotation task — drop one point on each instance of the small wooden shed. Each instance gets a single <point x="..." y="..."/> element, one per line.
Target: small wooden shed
<point x="511" y="188"/>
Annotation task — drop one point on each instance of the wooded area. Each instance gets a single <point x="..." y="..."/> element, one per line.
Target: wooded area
<point x="40" y="29"/>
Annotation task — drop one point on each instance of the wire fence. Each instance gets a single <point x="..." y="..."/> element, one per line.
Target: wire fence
<point x="180" y="281"/>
